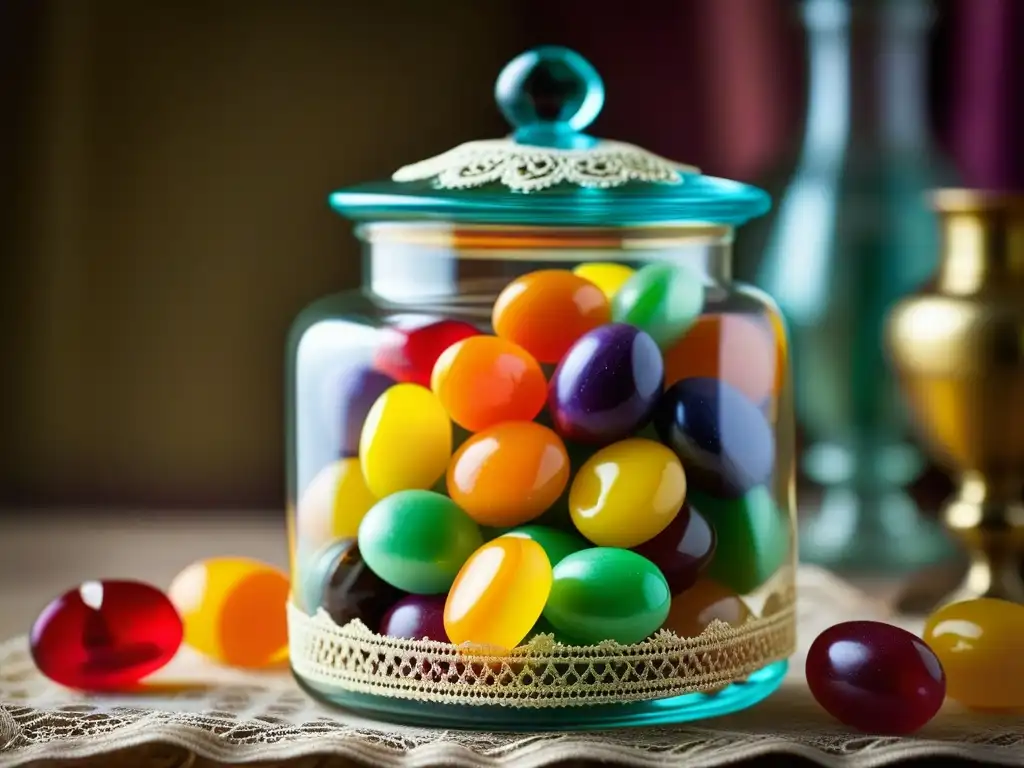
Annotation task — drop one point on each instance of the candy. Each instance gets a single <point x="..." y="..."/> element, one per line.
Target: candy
<point x="875" y="677"/>
<point x="544" y="312"/>
<point x="738" y="349"/>
<point x="607" y="594"/>
<point x="409" y="354"/>
<point x="605" y="275"/>
<point x="753" y="537"/>
<point x="662" y="299"/>
<point x="555" y="543"/>
<point x="416" y="617"/>
<point x="233" y="609"/>
<point x="105" y="635"/>
<point x="707" y="600"/>
<point x="723" y="439"/>
<point x="509" y="474"/>
<point x="607" y="386"/>
<point x="339" y="582"/>
<point x="627" y="493"/>
<point x="358" y="390"/>
<point x="333" y="504"/>
<point x="978" y="643"/>
<point x="485" y="380"/>
<point x="499" y="593"/>
<point x="406" y="441"/>
<point x="683" y="550"/>
<point x="417" y="541"/>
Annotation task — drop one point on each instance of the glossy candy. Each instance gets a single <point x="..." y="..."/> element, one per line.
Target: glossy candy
<point x="499" y="594"/>
<point x="416" y="617"/>
<point x="875" y="677"/>
<point x="358" y="390"/>
<point x="544" y="312"/>
<point x="707" y="600"/>
<point x="340" y="582"/>
<point x="333" y="504"/>
<point x="233" y="609"/>
<point x="738" y="349"/>
<point x="607" y="594"/>
<point x="607" y="386"/>
<point x="627" y="493"/>
<point x="662" y="299"/>
<point x="485" y="380"/>
<point x="723" y="439"/>
<point x="509" y="474"/>
<point x="406" y="441"/>
<point x="979" y="645"/>
<point x="607" y="276"/>
<point x="417" y="541"/>
<point x="683" y="550"/>
<point x="408" y="354"/>
<point x="555" y="543"/>
<point x="105" y="635"/>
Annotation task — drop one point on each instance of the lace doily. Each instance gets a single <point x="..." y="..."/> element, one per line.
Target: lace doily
<point x="239" y="717"/>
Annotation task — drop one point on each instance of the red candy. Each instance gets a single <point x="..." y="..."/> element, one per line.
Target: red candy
<point x="409" y="353"/>
<point x="875" y="677"/>
<point x="105" y="635"/>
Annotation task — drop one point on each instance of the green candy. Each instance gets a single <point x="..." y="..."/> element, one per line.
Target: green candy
<point x="662" y="299"/>
<point x="555" y="543"/>
<point x="417" y="541"/>
<point x="753" y="537"/>
<point x="606" y="593"/>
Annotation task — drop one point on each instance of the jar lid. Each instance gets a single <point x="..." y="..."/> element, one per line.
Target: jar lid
<point x="548" y="171"/>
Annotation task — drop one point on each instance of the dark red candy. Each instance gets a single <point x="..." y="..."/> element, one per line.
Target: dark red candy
<point x="416" y="617"/>
<point x="105" y="635"/>
<point x="875" y="677"/>
<point x="410" y="349"/>
<point x="683" y="550"/>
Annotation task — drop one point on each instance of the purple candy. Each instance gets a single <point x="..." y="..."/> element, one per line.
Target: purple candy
<point x="607" y="385"/>
<point x="683" y="550"/>
<point x="416" y="617"/>
<point x="357" y="391"/>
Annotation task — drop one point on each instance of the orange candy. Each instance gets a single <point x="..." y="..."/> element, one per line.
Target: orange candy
<point x="485" y="380"/>
<point x="693" y="610"/>
<point x="509" y="474"/>
<point x="739" y="349"/>
<point x="545" y="312"/>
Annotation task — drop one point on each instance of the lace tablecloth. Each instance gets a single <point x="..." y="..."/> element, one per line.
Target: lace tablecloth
<point x="237" y="717"/>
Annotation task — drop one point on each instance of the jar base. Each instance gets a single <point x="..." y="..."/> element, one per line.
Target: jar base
<point x="677" y="709"/>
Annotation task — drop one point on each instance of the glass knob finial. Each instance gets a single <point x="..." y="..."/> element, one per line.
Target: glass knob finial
<point x="549" y="94"/>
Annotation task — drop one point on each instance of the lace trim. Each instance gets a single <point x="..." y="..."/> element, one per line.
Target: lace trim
<point x="522" y="168"/>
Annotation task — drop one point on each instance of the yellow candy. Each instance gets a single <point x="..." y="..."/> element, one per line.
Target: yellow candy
<point x="607" y="276"/>
<point x="406" y="441"/>
<point x="333" y="505"/>
<point x="499" y="593"/>
<point x="627" y="493"/>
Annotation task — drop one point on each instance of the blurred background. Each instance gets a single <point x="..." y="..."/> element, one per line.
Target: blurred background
<point x="165" y="167"/>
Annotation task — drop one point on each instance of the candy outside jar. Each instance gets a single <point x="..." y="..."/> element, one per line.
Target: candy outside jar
<point x="540" y="468"/>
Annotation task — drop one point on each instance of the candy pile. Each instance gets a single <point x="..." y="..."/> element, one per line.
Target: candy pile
<point x="610" y="473"/>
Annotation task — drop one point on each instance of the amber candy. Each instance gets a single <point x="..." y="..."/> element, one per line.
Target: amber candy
<point x="707" y="600"/>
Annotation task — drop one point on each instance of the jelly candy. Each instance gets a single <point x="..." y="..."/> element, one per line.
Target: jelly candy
<point x="339" y="581"/>
<point x="752" y="536"/>
<point x="233" y="609"/>
<point x="723" y="439"/>
<point x="875" y="677"/>
<point x="409" y="354"/>
<point x="607" y="276"/>
<point x="499" y="593"/>
<point x="406" y="441"/>
<point x="738" y="349"/>
<point x="416" y="617"/>
<point x="662" y="299"/>
<point x="358" y="390"/>
<point x="544" y="312"/>
<point x="333" y="504"/>
<point x="544" y="627"/>
<point x="607" y="386"/>
<point x="693" y="610"/>
<point x="627" y="493"/>
<point x="485" y="380"/>
<point x="607" y="594"/>
<point x="978" y="643"/>
<point x="555" y="543"/>
<point x="105" y="635"/>
<point x="509" y="474"/>
<point x="417" y="541"/>
<point x="683" y="550"/>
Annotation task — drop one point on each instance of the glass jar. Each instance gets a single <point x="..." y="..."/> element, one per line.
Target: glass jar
<point x="540" y="468"/>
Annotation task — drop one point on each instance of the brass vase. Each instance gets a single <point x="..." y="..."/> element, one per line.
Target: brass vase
<point x="958" y="348"/>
